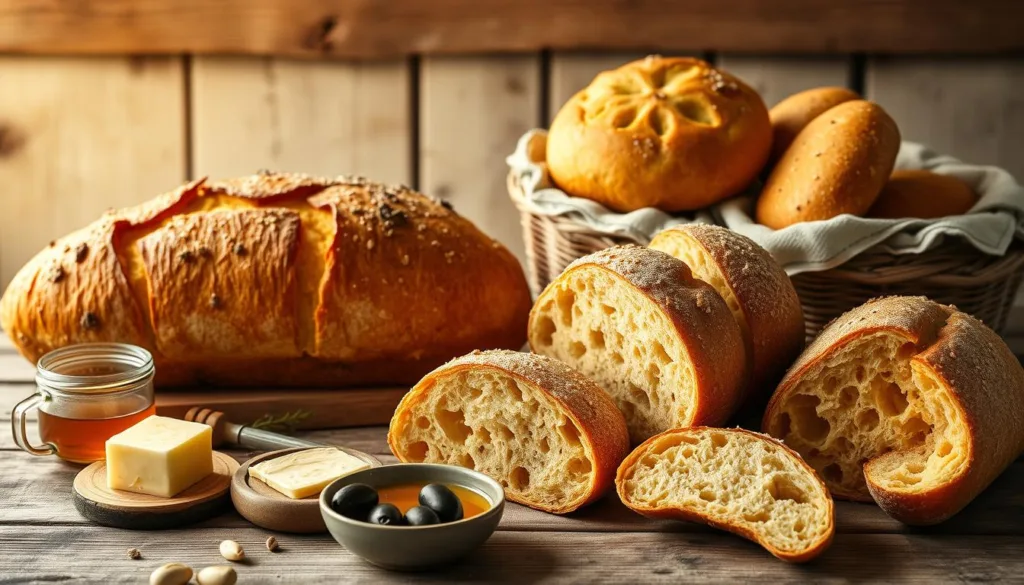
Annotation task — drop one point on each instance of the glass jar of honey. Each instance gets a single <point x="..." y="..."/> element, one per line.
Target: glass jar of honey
<point x="86" y="394"/>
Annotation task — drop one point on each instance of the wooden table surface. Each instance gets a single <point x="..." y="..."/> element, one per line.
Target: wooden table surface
<point x="43" y="539"/>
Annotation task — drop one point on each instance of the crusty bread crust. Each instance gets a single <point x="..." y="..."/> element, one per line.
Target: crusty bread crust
<point x="773" y="320"/>
<point x="699" y="318"/>
<point x="923" y="194"/>
<point x="652" y="449"/>
<point x="671" y="133"/>
<point x="794" y="113"/>
<point x="967" y="362"/>
<point x="837" y="164"/>
<point x="601" y="425"/>
<point x="275" y="279"/>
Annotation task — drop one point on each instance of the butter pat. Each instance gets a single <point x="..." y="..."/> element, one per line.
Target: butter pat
<point x="159" y="456"/>
<point x="304" y="473"/>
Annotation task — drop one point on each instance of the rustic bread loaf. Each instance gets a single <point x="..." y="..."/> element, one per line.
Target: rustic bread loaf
<point x="662" y="343"/>
<point x="794" y="113"/>
<point x="906" y="401"/>
<point x="733" y="479"/>
<point x="549" y="435"/>
<point x="837" y="164"/>
<point x="757" y="290"/>
<point x="275" y="280"/>
<point x="923" y="194"/>
<point x="671" y="133"/>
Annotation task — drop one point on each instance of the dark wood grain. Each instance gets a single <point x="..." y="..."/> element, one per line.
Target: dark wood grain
<point x="373" y="29"/>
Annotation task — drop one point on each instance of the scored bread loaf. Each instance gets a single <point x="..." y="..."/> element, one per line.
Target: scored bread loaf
<point x="550" y="436"/>
<point x="923" y="194"/>
<point x="662" y="343"/>
<point x="757" y="290"/>
<point x="905" y="401"/>
<point x="794" y="113"/>
<point x="733" y="479"/>
<point x="667" y="132"/>
<point x="276" y="280"/>
<point x="837" y="164"/>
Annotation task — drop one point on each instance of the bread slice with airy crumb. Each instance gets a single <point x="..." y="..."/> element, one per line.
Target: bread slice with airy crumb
<point x="550" y="436"/>
<point x="733" y="479"/>
<point x="905" y="401"/>
<point x="662" y="343"/>
<point x="757" y="290"/>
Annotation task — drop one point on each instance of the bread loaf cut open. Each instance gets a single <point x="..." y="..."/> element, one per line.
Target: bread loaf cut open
<point x="662" y="343"/>
<point x="733" y="479"/>
<point x="757" y="290"/>
<point x="549" y="435"/>
<point x="906" y="401"/>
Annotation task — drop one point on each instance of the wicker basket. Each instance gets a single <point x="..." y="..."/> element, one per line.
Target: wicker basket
<point x="956" y="274"/>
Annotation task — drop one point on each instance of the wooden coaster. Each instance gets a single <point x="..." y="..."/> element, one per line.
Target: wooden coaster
<point x="207" y="498"/>
<point x="267" y="508"/>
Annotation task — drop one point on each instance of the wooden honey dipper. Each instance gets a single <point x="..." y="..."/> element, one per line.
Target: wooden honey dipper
<point x="225" y="431"/>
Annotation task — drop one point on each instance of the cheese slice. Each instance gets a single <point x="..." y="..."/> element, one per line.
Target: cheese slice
<point x="305" y="473"/>
<point x="159" y="456"/>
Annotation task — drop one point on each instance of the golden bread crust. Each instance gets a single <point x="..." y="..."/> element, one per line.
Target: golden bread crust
<point x="837" y="164"/>
<point x="650" y="448"/>
<point x="771" y="309"/>
<point x="975" y="369"/>
<point x="671" y="133"/>
<point x="601" y="425"/>
<point x="329" y="281"/>
<point x="923" y="194"/>
<point x="794" y="113"/>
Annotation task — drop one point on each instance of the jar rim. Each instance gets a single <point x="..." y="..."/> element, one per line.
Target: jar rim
<point x="136" y="361"/>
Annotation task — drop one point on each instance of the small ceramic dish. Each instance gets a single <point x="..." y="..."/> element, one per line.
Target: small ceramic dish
<point x="410" y="548"/>
<point x="266" y="507"/>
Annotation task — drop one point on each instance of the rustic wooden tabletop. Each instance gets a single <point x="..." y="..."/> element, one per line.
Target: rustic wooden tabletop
<point x="43" y="538"/>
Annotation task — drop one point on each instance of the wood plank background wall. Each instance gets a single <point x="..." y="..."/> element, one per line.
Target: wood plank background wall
<point x="81" y="134"/>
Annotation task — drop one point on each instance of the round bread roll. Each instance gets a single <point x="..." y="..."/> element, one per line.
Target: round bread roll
<point x="837" y="164"/>
<point x="671" y="133"/>
<point x="757" y="290"/>
<point x="794" y="113"/>
<point x="923" y="194"/>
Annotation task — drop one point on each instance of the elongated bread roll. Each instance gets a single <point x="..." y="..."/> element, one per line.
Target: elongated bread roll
<point x="906" y="401"/>
<point x="757" y="290"/>
<point x="837" y="164"/>
<point x="794" y="113"/>
<point x="733" y="479"/>
<point x="549" y="435"/>
<point x="662" y="343"/>
<point x="275" y="280"/>
<point x="923" y="194"/>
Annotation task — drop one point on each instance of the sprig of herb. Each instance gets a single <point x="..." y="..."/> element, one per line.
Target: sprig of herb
<point x="286" y="422"/>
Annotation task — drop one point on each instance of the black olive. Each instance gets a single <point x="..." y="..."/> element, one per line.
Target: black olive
<point x="386" y="514"/>
<point x="442" y="501"/>
<point x="355" y="501"/>
<point x="421" y="516"/>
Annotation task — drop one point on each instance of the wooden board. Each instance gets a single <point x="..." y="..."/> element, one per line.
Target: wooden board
<point x="399" y="27"/>
<point x="119" y="509"/>
<point x="302" y="409"/>
<point x="473" y="110"/>
<point x="322" y="118"/>
<point x="81" y="135"/>
<point x="777" y="78"/>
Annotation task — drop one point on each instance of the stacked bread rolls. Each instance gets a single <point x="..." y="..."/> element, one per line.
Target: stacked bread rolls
<point x="677" y="134"/>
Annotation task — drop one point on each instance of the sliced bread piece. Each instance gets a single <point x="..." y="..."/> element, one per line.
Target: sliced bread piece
<point x="662" y="343"/>
<point x="550" y="436"/>
<point x="759" y="294"/>
<point x="905" y="401"/>
<point x="733" y="479"/>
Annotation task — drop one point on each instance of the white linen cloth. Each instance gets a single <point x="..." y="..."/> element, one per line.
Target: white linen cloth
<point x="990" y="226"/>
